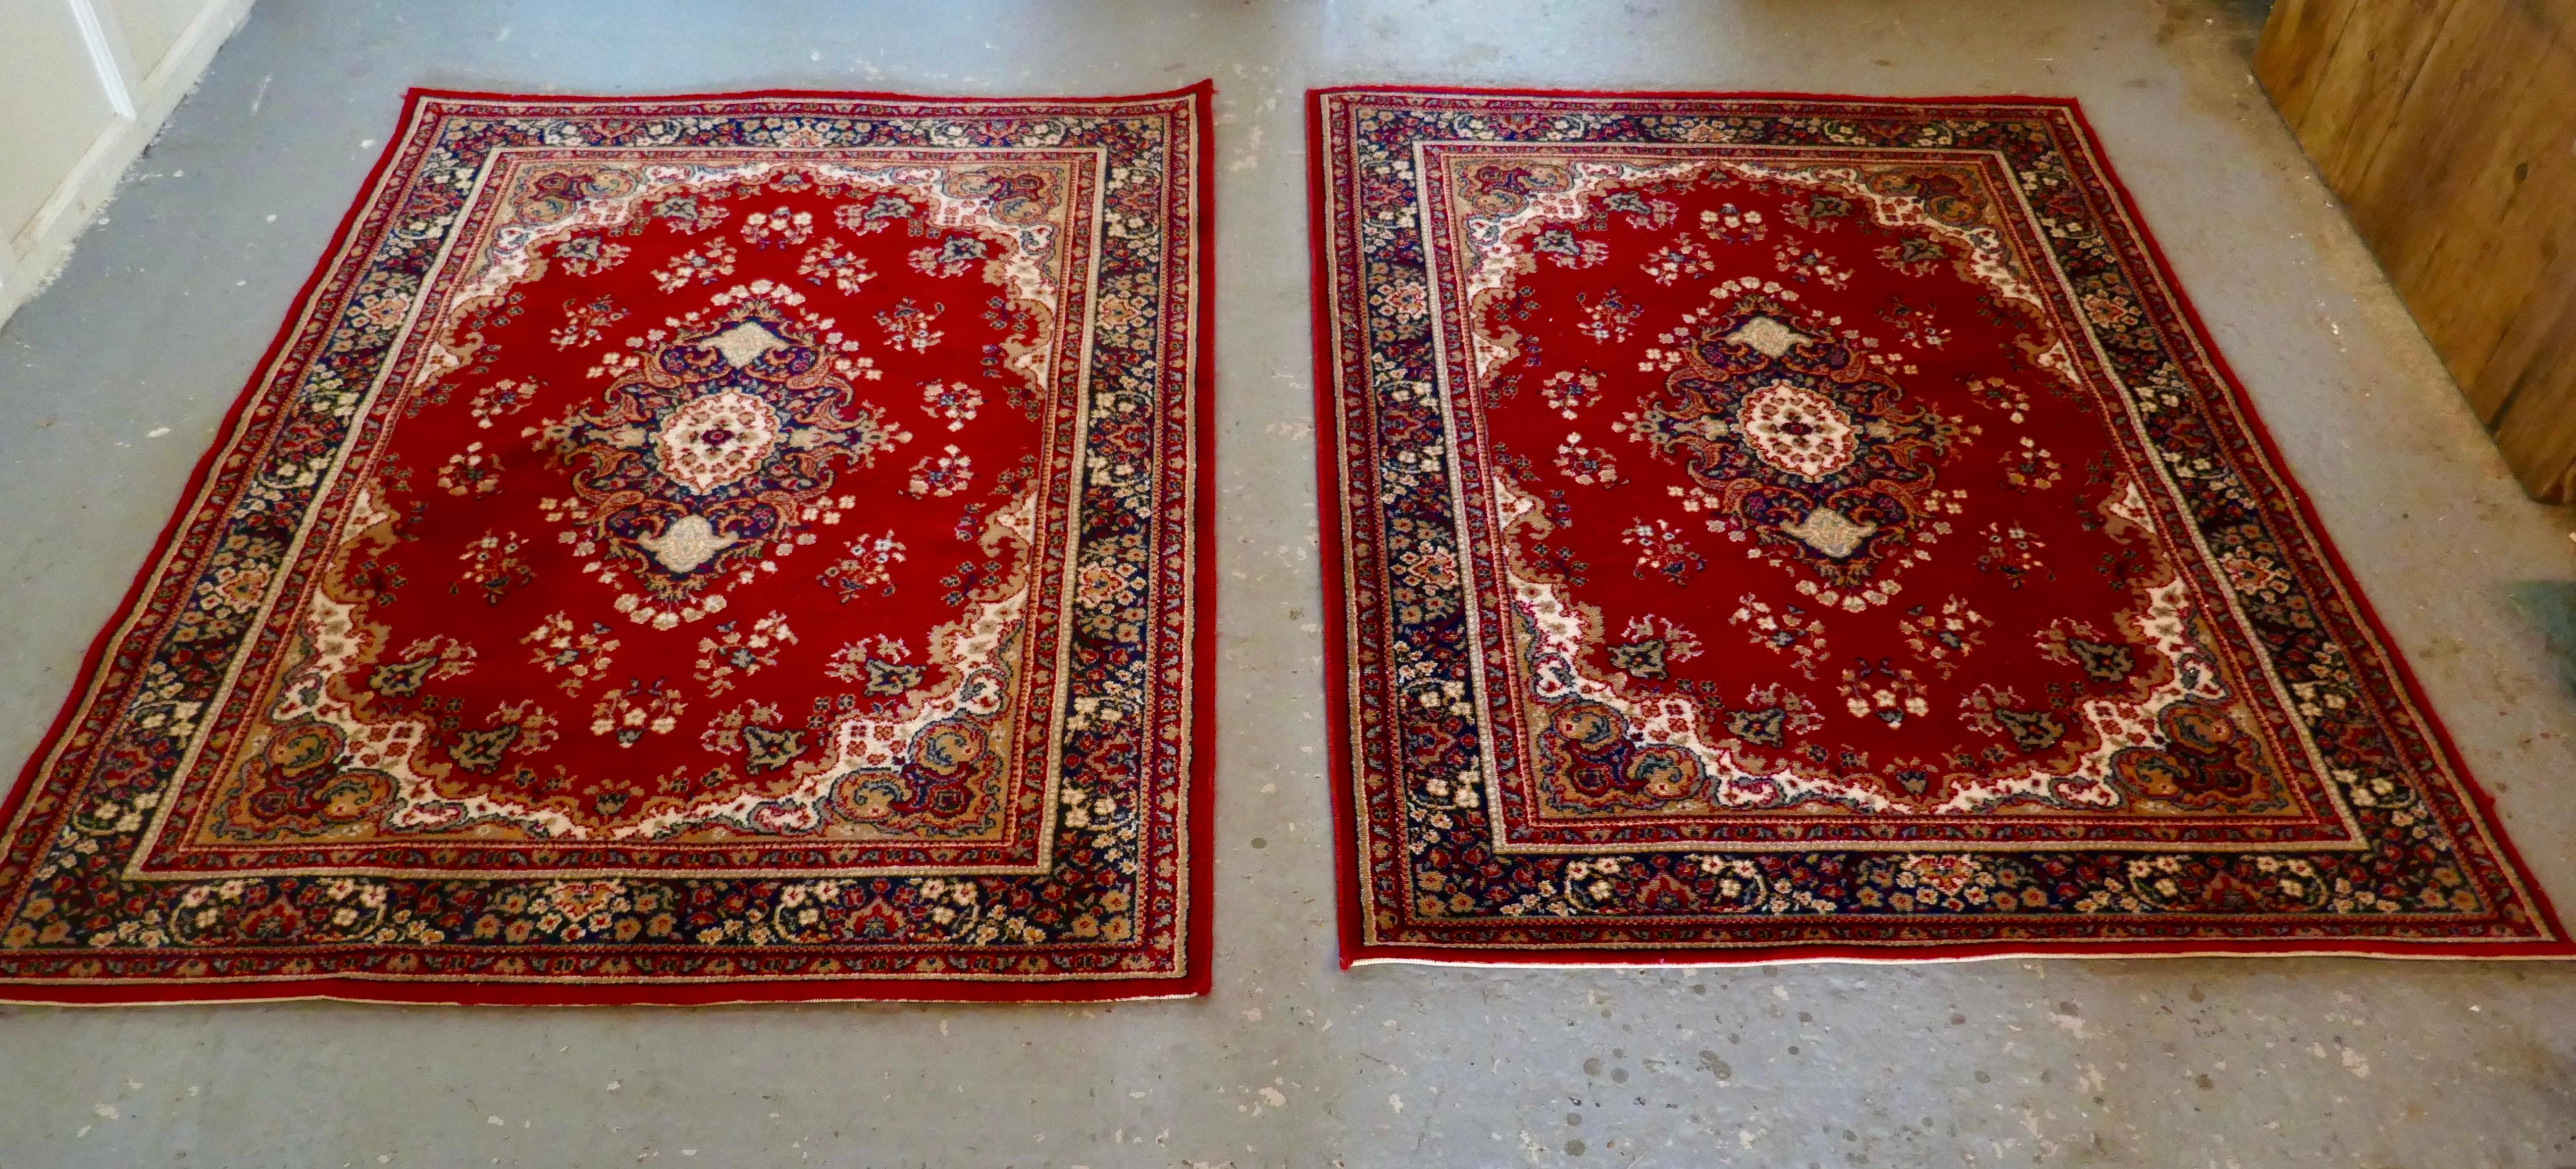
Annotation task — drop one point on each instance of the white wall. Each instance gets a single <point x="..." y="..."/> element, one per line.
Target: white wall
<point x="84" y="84"/>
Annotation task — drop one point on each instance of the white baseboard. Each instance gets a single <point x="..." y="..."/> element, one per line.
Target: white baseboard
<point x="36" y="256"/>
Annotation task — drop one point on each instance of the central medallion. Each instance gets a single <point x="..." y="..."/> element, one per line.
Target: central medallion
<point x="717" y="442"/>
<point x="716" y="439"/>
<point x="1794" y="437"/>
<point x="1797" y="430"/>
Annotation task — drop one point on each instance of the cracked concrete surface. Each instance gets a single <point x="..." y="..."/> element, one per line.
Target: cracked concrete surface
<point x="116" y="378"/>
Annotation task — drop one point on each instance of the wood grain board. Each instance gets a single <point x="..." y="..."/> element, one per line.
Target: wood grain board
<point x="2448" y="128"/>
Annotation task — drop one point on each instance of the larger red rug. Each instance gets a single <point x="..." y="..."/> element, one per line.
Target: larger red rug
<point x="678" y="550"/>
<point x="1781" y="527"/>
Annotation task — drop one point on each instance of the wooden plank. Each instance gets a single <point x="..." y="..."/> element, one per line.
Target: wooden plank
<point x="2447" y="182"/>
<point x="2297" y="32"/>
<point x="2533" y="232"/>
<point x="2448" y="128"/>
<point x="2534" y="376"/>
<point x="2363" y="81"/>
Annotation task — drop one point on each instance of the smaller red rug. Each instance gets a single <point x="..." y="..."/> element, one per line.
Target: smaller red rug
<point x="678" y="550"/>
<point x="1783" y="527"/>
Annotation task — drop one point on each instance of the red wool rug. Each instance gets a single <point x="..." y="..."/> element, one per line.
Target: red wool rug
<point x="678" y="550"/>
<point x="1789" y="528"/>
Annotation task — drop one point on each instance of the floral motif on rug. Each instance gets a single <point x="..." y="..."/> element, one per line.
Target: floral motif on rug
<point x="1802" y="527"/>
<point x="690" y="549"/>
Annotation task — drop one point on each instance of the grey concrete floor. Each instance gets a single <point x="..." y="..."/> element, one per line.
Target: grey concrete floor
<point x="111" y="382"/>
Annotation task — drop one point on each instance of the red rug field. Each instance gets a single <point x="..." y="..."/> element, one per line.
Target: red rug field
<point x="678" y="550"/>
<point x="1773" y="527"/>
